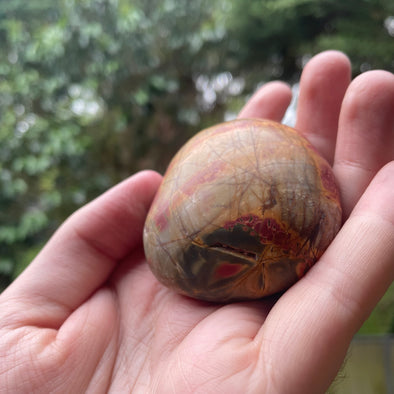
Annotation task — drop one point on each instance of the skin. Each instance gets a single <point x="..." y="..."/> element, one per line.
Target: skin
<point x="88" y="316"/>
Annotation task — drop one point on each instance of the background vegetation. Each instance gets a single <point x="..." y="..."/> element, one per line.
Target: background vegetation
<point x="92" y="91"/>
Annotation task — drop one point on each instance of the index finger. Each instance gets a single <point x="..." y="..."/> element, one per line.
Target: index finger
<point x="270" y="101"/>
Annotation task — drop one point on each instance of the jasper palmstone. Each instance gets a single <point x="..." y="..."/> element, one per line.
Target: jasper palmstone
<point x="245" y="208"/>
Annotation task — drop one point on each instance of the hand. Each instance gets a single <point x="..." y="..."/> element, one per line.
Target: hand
<point x="88" y="316"/>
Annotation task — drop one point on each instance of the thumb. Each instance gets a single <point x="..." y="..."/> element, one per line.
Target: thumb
<point x="81" y="254"/>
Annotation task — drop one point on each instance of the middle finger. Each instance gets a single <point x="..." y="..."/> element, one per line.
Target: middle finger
<point x="322" y="87"/>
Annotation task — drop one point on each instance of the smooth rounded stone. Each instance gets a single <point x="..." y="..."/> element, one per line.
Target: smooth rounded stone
<point x="244" y="210"/>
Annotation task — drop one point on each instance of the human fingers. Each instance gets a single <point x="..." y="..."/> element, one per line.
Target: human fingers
<point x="323" y="83"/>
<point x="81" y="254"/>
<point x="315" y="320"/>
<point x="270" y="102"/>
<point x="365" y="140"/>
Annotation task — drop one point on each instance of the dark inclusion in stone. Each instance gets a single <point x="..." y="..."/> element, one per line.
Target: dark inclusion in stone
<point x="225" y="253"/>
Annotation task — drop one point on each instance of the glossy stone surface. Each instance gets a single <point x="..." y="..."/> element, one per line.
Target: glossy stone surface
<point x="244" y="210"/>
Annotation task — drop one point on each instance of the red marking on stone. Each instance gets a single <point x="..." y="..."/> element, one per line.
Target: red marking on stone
<point x="207" y="175"/>
<point x="328" y="180"/>
<point x="161" y="218"/>
<point x="226" y="270"/>
<point x="303" y="267"/>
<point x="268" y="230"/>
<point x="236" y="125"/>
<point x="161" y="221"/>
<point x="206" y="134"/>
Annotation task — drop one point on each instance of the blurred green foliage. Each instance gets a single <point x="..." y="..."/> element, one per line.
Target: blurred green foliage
<point x="286" y="33"/>
<point x="92" y="91"/>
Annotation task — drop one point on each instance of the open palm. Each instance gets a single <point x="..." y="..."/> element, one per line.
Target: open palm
<point x="87" y="315"/>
